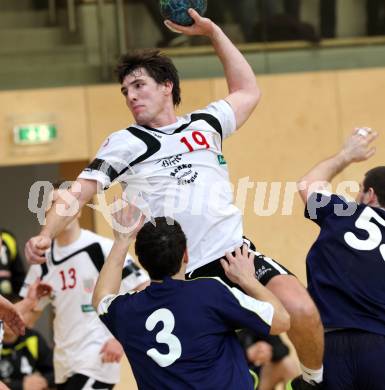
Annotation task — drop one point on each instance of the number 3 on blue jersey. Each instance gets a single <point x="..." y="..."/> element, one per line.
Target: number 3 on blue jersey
<point x="165" y="336"/>
<point x="375" y="237"/>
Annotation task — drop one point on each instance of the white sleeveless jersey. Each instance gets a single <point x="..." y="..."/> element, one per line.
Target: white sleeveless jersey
<point x="79" y="335"/>
<point x="180" y="172"/>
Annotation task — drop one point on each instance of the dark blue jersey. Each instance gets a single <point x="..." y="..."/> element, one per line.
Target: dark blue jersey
<point x="181" y="334"/>
<point x="346" y="264"/>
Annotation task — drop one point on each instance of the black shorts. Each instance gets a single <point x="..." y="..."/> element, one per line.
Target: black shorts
<point x="265" y="268"/>
<point x="80" y="382"/>
<point x="354" y="359"/>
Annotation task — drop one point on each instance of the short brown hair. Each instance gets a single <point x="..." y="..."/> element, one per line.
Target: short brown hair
<point x="375" y="178"/>
<point x="158" y="66"/>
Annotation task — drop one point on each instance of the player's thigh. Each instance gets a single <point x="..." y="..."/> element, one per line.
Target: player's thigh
<point x="338" y="362"/>
<point x="293" y="295"/>
<point x="83" y="382"/>
<point x="370" y="355"/>
<point x="354" y="360"/>
<point x="266" y="268"/>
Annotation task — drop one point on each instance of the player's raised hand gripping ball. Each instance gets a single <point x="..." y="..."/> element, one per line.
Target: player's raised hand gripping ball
<point x="176" y="10"/>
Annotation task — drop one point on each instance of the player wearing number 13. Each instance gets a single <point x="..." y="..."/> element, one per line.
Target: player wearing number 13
<point x="85" y="354"/>
<point x="346" y="268"/>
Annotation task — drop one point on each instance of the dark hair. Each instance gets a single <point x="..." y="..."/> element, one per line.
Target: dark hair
<point x="157" y="65"/>
<point x="160" y="247"/>
<point x="375" y="178"/>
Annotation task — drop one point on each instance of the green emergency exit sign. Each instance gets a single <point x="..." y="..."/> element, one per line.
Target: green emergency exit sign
<point x="34" y="133"/>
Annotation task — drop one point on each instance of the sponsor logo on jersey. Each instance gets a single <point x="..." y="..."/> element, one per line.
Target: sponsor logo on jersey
<point x="171" y="161"/>
<point x="88" y="285"/>
<point x="221" y="159"/>
<point x="184" y="174"/>
<point x="87" y="308"/>
<point x="260" y="272"/>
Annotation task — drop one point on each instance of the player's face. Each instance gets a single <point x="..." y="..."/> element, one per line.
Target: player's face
<point x="146" y="99"/>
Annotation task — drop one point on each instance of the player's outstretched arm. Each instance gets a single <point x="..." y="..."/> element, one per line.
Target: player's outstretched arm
<point x="27" y="306"/>
<point x="126" y="223"/>
<point x="240" y="270"/>
<point x="244" y="93"/>
<point x="62" y="212"/>
<point x="356" y="148"/>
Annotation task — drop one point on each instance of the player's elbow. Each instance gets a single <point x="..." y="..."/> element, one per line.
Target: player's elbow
<point x="96" y="298"/>
<point x="302" y="187"/>
<point x="281" y="322"/>
<point x="252" y="97"/>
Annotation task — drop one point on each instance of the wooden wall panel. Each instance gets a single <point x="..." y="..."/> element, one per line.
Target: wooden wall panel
<point x="295" y="124"/>
<point x="70" y="171"/>
<point x="196" y="94"/>
<point x="362" y="97"/>
<point x="64" y="106"/>
<point x="107" y="113"/>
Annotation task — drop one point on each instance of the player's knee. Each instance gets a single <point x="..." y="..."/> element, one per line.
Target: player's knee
<point x="304" y="311"/>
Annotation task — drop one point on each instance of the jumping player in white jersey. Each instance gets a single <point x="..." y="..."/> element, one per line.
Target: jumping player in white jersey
<point x="180" y="161"/>
<point x="86" y="354"/>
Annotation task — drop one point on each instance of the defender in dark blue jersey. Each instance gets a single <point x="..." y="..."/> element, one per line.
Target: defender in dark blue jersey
<point x="346" y="268"/>
<point x="180" y="334"/>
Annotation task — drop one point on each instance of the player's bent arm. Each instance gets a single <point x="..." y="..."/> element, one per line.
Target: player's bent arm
<point x="244" y="93"/>
<point x="64" y="210"/>
<point x="318" y="177"/>
<point x="356" y="148"/>
<point x="110" y="276"/>
<point x="31" y="316"/>
<point x="281" y="319"/>
<point x="68" y="205"/>
<point x="240" y="269"/>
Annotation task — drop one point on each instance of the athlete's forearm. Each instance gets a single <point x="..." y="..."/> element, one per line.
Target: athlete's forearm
<point x="322" y="173"/>
<point x="110" y="276"/>
<point x="25" y="305"/>
<point x="67" y="206"/>
<point x="31" y="316"/>
<point x="238" y="72"/>
<point x="281" y="318"/>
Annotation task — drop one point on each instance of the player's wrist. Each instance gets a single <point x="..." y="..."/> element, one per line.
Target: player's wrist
<point x="248" y="282"/>
<point x="123" y="242"/>
<point x="215" y="32"/>
<point x="45" y="232"/>
<point x="344" y="158"/>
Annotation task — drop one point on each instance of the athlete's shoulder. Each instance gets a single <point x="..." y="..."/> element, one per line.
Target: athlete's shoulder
<point x="92" y="238"/>
<point x="118" y="138"/>
<point x="219" y="115"/>
<point x="208" y="282"/>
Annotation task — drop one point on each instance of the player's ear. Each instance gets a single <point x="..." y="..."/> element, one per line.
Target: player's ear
<point x="372" y="197"/>
<point x="185" y="257"/>
<point x="168" y="86"/>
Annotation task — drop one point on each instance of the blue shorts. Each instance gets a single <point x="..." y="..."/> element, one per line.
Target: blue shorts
<point x="354" y="360"/>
